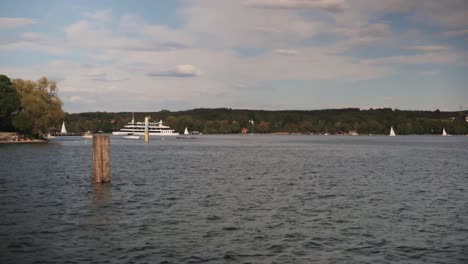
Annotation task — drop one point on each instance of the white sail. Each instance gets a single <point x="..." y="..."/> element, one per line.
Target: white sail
<point x="392" y="132"/>
<point x="186" y="131"/>
<point x="64" y="130"/>
<point x="444" y="133"/>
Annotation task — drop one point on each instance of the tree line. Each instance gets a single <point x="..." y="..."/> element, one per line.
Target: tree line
<point x="34" y="108"/>
<point x="30" y="107"/>
<point x="332" y="121"/>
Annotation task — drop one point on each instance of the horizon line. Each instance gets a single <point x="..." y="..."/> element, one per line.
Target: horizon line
<point x="278" y="110"/>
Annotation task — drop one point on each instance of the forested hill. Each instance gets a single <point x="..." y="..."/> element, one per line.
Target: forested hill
<point x="333" y="121"/>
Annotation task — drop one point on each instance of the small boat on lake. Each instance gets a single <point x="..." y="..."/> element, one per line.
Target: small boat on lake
<point x="444" y="133"/>
<point x="87" y="135"/>
<point x="392" y="132"/>
<point x="63" y="131"/>
<point x="132" y="137"/>
<point x="186" y="135"/>
<point x="49" y="136"/>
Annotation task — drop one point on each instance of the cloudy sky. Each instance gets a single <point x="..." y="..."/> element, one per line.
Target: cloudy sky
<point x="255" y="54"/>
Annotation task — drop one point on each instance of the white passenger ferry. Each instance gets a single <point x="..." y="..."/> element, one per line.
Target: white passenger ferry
<point x="138" y="129"/>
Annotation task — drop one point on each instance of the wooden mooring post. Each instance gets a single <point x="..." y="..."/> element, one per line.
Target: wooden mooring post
<point x="101" y="158"/>
<point x="146" y="129"/>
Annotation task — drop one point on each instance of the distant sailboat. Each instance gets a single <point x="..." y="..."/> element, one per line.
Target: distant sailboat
<point x="64" y="130"/>
<point x="186" y="135"/>
<point x="49" y="136"/>
<point x="87" y="135"/>
<point x="444" y="133"/>
<point x="392" y="132"/>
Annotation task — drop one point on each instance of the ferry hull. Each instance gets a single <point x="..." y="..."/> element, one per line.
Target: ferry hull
<point x="156" y="134"/>
<point x="119" y="133"/>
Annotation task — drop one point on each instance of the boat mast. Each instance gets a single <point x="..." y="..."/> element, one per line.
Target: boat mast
<point x="133" y="124"/>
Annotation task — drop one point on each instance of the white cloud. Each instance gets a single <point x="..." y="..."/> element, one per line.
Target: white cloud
<point x="428" y="48"/>
<point x="451" y="13"/>
<point x="183" y="70"/>
<point x="287" y="52"/>
<point x="207" y="57"/>
<point x="85" y="34"/>
<point x="242" y="26"/>
<point x="7" y="22"/>
<point x="455" y="33"/>
<point x="436" y="57"/>
<point x="382" y="7"/>
<point x="364" y="35"/>
<point x="393" y="6"/>
<point x="333" y="6"/>
<point x="132" y="34"/>
<point x="78" y="99"/>
<point x="429" y="73"/>
<point x="31" y="41"/>
<point x="95" y="73"/>
<point x="187" y="69"/>
<point x="103" y="74"/>
<point x="100" y="15"/>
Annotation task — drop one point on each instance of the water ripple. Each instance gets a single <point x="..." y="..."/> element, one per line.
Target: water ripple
<point x="238" y="199"/>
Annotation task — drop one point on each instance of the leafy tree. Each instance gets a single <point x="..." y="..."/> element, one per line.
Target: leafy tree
<point x="235" y="127"/>
<point x="41" y="108"/>
<point x="9" y="103"/>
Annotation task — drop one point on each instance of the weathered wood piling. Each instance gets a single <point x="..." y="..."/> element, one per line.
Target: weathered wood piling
<point x="146" y="129"/>
<point x="101" y="158"/>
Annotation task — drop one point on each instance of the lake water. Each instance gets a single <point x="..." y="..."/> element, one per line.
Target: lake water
<point x="238" y="199"/>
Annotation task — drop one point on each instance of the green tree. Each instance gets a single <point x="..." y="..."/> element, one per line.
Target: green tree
<point x="263" y="127"/>
<point x="9" y="103"/>
<point x="222" y="120"/>
<point x="41" y="108"/>
<point x="235" y="127"/>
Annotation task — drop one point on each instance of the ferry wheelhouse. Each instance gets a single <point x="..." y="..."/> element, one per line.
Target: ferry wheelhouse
<point x="138" y="129"/>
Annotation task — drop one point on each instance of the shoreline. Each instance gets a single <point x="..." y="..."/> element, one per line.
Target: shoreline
<point x="34" y="141"/>
<point x="15" y="137"/>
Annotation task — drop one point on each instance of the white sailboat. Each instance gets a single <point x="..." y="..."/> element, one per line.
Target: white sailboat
<point x="444" y="133"/>
<point x="392" y="132"/>
<point x="49" y="136"/>
<point x="87" y="135"/>
<point x="186" y="135"/>
<point x="64" y="130"/>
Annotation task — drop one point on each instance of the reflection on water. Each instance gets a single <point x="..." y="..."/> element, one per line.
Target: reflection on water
<point x="238" y="199"/>
<point x="101" y="194"/>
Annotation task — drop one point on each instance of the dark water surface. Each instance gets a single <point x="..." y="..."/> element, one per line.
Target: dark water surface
<point x="238" y="199"/>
